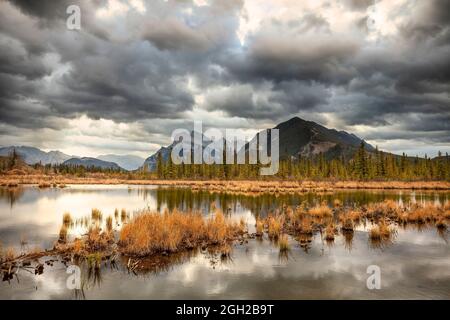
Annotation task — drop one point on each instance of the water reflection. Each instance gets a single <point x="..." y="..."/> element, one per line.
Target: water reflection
<point x="33" y="216"/>
<point x="416" y="266"/>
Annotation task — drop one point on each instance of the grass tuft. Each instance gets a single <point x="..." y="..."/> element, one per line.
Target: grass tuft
<point x="96" y="215"/>
<point x="152" y="232"/>
<point x="283" y="243"/>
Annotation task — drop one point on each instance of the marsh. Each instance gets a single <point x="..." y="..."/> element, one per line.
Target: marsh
<point x="414" y="264"/>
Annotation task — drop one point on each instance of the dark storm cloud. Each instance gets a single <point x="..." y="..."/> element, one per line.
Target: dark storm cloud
<point x="151" y="66"/>
<point x="283" y="58"/>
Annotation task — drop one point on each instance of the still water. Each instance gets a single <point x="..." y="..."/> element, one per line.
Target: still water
<point x="415" y="265"/>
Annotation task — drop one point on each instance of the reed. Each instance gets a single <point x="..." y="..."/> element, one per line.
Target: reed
<point x="337" y="203"/>
<point x="7" y="255"/>
<point x="274" y="225"/>
<point x="347" y="223"/>
<point x="259" y="228"/>
<point x="123" y="215"/>
<point x="152" y="232"/>
<point x="283" y="243"/>
<point x="375" y="233"/>
<point x="63" y="234"/>
<point x="321" y="211"/>
<point x="67" y="219"/>
<point x="97" y="240"/>
<point x="96" y="215"/>
<point x="382" y="231"/>
<point x="306" y="226"/>
<point x="330" y="232"/>
<point x="109" y="224"/>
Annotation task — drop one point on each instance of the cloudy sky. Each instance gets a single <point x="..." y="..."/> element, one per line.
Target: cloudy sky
<point x="138" y="69"/>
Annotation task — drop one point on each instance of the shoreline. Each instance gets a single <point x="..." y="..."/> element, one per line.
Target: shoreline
<point x="241" y="186"/>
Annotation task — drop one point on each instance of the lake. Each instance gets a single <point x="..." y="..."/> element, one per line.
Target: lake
<point x="415" y="265"/>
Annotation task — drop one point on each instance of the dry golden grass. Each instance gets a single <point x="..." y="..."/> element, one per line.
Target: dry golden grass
<point x="337" y="203"/>
<point x="96" y="215"/>
<point x="67" y="219"/>
<point x="152" y="232"/>
<point x="259" y="227"/>
<point x="63" y="234"/>
<point x="109" y="224"/>
<point x="290" y="214"/>
<point x="330" y="232"/>
<point x="7" y="255"/>
<point x="274" y="225"/>
<point x="382" y="231"/>
<point x="375" y="233"/>
<point x="97" y="240"/>
<point x="283" y="243"/>
<point x="43" y="185"/>
<point x="236" y="186"/>
<point x="347" y="223"/>
<point x="305" y="226"/>
<point x="116" y="214"/>
<point x="78" y="247"/>
<point x="423" y="214"/>
<point x="322" y="211"/>
<point x="123" y="215"/>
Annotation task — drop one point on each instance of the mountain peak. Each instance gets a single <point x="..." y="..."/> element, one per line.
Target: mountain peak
<point x="291" y="121"/>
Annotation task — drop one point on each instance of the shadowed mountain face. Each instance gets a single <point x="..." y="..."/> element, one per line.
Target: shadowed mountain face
<point x="33" y="155"/>
<point x="298" y="137"/>
<point x="92" y="162"/>
<point x="303" y="138"/>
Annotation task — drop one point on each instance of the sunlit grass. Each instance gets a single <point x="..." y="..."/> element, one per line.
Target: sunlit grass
<point x="274" y="225"/>
<point x="322" y="211"/>
<point x="153" y="232"/>
<point x="67" y="219"/>
<point x="109" y="224"/>
<point x="96" y="215"/>
<point x="63" y="234"/>
<point x="259" y="227"/>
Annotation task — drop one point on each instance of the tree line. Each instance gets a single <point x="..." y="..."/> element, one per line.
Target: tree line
<point x="363" y="165"/>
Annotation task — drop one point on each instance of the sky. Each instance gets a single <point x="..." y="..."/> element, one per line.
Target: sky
<point x="136" y="70"/>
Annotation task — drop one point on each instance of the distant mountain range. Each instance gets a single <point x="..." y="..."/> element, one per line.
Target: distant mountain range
<point x="92" y="162"/>
<point x="297" y="138"/>
<point x="33" y="155"/>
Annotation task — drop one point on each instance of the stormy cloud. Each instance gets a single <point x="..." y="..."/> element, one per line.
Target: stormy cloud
<point x="139" y="69"/>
